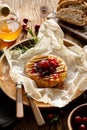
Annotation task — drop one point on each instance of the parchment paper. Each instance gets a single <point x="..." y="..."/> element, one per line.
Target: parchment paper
<point x="50" y="41"/>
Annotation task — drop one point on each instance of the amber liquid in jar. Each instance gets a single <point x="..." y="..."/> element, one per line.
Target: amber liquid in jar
<point x="9" y="32"/>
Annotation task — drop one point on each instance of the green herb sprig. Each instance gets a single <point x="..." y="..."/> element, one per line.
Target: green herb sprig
<point x="34" y="37"/>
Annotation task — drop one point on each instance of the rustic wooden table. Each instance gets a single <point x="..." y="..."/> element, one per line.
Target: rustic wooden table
<point x="23" y="8"/>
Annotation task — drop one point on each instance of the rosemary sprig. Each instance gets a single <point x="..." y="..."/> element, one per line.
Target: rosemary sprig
<point x="22" y="48"/>
<point x="55" y="119"/>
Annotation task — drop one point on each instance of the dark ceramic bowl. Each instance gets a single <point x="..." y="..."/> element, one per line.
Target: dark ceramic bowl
<point x="78" y="124"/>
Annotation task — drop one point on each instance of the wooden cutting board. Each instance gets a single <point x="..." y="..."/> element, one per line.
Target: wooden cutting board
<point x="79" y="32"/>
<point x="6" y="83"/>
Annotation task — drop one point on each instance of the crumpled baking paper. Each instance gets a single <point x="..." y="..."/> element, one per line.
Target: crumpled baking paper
<point x="50" y="41"/>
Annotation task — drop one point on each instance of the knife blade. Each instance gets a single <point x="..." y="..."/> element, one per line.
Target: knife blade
<point x="19" y="102"/>
<point x="36" y="111"/>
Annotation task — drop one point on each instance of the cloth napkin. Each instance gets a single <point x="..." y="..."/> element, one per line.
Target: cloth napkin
<point x="50" y="41"/>
<point x="7" y="112"/>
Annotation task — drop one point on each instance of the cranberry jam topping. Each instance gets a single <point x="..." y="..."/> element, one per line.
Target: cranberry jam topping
<point x="45" y="67"/>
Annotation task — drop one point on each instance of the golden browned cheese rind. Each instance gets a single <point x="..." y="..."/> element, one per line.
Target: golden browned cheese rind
<point x="51" y="80"/>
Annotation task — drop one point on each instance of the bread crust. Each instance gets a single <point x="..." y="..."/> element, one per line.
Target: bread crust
<point x="77" y="8"/>
<point x="55" y="79"/>
<point x="65" y="3"/>
<point x="60" y="1"/>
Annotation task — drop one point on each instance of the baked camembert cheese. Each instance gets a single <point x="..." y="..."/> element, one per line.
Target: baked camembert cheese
<point x="47" y="71"/>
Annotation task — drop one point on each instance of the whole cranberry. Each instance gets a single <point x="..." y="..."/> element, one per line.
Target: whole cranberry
<point x="25" y="20"/>
<point x="37" y="28"/>
<point x="78" y="119"/>
<point x="24" y="26"/>
<point x="84" y="119"/>
<point x="50" y="116"/>
<point x="82" y="127"/>
<point x="44" y="64"/>
<point x="53" y="63"/>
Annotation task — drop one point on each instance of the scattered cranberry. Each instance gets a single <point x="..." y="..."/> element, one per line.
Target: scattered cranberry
<point x="82" y="127"/>
<point x="37" y="28"/>
<point x="24" y="28"/>
<point x="84" y="119"/>
<point x="78" y="119"/>
<point x="50" y="116"/>
<point x="25" y="20"/>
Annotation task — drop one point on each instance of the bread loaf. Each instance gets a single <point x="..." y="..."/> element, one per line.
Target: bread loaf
<point x="67" y="3"/>
<point x="73" y="12"/>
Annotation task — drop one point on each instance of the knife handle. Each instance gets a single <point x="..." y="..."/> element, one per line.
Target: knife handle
<point x="19" y="103"/>
<point x="36" y="111"/>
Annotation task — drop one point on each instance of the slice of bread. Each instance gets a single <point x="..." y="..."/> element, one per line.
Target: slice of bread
<point x="75" y="4"/>
<point x="72" y="16"/>
<point x="73" y="12"/>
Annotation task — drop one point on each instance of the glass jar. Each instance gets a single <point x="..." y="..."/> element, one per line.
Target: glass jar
<point x="10" y="29"/>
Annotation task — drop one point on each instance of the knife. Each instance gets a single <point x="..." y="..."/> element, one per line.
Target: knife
<point x="16" y="78"/>
<point x="19" y="104"/>
<point x="36" y="111"/>
<point x="19" y="101"/>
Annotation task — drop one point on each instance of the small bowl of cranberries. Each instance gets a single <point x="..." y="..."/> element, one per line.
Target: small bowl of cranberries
<point x="77" y="119"/>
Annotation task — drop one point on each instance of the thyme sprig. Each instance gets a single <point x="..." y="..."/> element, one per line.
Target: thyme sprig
<point x="25" y="45"/>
